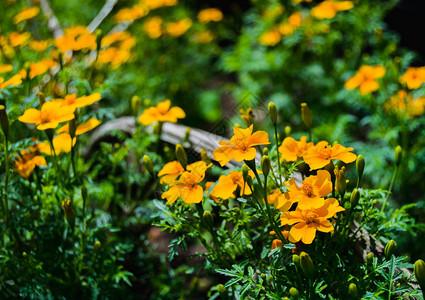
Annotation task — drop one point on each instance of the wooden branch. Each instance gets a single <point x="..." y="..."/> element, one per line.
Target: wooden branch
<point x="53" y="22"/>
<point x="103" y="13"/>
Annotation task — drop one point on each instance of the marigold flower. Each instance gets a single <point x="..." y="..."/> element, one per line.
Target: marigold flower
<point x="161" y="113"/>
<point x="310" y="193"/>
<point x="153" y="27"/>
<point x="27" y="161"/>
<point x="273" y="12"/>
<point x="82" y="128"/>
<point x="39" y="46"/>
<point x="5" y="68"/>
<point x="308" y="221"/>
<point x="280" y="200"/>
<point x="289" y="26"/>
<point x="17" y="39"/>
<point x="76" y="38"/>
<point x="270" y="38"/>
<point x="329" y="9"/>
<point x="210" y="15"/>
<point x="155" y="4"/>
<point x="170" y="172"/>
<point x="228" y="184"/>
<point x="241" y="145"/>
<point x="322" y="154"/>
<point x="176" y="29"/>
<point x="61" y="143"/>
<point x="187" y="186"/>
<point x="291" y="150"/>
<point x="51" y="114"/>
<point x="247" y="115"/>
<point x="74" y="102"/>
<point x="14" y="81"/>
<point x="41" y="67"/>
<point x="204" y="37"/>
<point x="404" y="104"/>
<point x="365" y="79"/>
<point x="413" y="77"/>
<point x="26" y="14"/>
<point x="131" y="14"/>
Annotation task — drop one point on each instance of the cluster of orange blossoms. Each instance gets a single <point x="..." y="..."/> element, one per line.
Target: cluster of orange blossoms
<point x="161" y="113"/>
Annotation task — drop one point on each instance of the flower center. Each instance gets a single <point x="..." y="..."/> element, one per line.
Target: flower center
<point x="326" y="151"/>
<point x="310" y="216"/>
<point x="308" y="189"/>
<point x="45" y="117"/>
<point x="241" y="143"/>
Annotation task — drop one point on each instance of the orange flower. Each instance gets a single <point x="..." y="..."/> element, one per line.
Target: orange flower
<point x="50" y="115"/>
<point x="404" y="104"/>
<point x="204" y="37"/>
<point x="313" y="188"/>
<point x="328" y="9"/>
<point x="308" y="221"/>
<point x="39" y="46"/>
<point x="154" y="4"/>
<point x="365" y="78"/>
<point x="228" y="184"/>
<point x="82" y="128"/>
<point x="210" y="15"/>
<point x="288" y="27"/>
<point x="26" y="13"/>
<point x="61" y="143"/>
<point x="17" y="39"/>
<point x="153" y="27"/>
<point x="322" y="154"/>
<point x="170" y="172"/>
<point x="27" y="162"/>
<point x="273" y="12"/>
<point x="41" y="67"/>
<point x="76" y="38"/>
<point x="291" y="150"/>
<point x="14" y="80"/>
<point x="241" y="145"/>
<point x="176" y="29"/>
<point x="131" y="14"/>
<point x="5" y="68"/>
<point x="280" y="200"/>
<point x="270" y="38"/>
<point x="161" y="113"/>
<point x="187" y="186"/>
<point x="74" y="102"/>
<point x="413" y="77"/>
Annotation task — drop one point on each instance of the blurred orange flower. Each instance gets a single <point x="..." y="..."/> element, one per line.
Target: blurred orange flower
<point x="76" y="38"/>
<point x="74" y="102"/>
<point x="404" y="104"/>
<point x="26" y="13"/>
<point x="210" y="15"/>
<point x="270" y="38"/>
<point x="153" y="27"/>
<point x="322" y="154"/>
<point x="5" y="68"/>
<point x="204" y="37"/>
<point x="413" y="77"/>
<point x="161" y="113"/>
<point x="176" y="29"/>
<point x="50" y="115"/>
<point x="27" y="161"/>
<point x="241" y="145"/>
<point x="39" y="46"/>
<point x="328" y="9"/>
<point x="14" y="80"/>
<point x="17" y="39"/>
<point x="365" y="79"/>
<point x="41" y="67"/>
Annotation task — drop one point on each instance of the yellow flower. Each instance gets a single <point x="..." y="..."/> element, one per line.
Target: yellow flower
<point x="39" y="46"/>
<point x="61" y="143"/>
<point x="50" y="115"/>
<point x="280" y="200"/>
<point x="288" y="27"/>
<point x="210" y="15"/>
<point x="329" y="9"/>
<point x="14" y="80"/>
<point x="153" y="27"/>
<point x="176" y="29"/>
<point x="308" y="221"/>
<point x="170" y="172"/>
<point x="131" y="14"/>
<point x="228" y="184"/>
<point x="404" y="104"/>
<point x="291" y="150"/>
<point x="27" y="161"/>
<point x="5" y="68"/>
<point x="270" y="38"/>
<point x="41" y="67"/>
<point x="247" y="115"/>
<point x="26" y="13"/>
<point x="312" y="190"/>
<point x="74" y="102"/>
<point x="241" y="145"/>
<point x="413" y="77"/>
<point x="161" y="113"/>
<point x="187" y="186"/>
<point x="76" y="38"/>
<point x="82" y="128"/>
<point x="322" y="154"/>
<point x="155" y="4"/>
<point x="365" y="79"/>
<point x="17" y="39"/>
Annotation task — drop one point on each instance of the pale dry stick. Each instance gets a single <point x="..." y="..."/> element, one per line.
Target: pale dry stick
<point x="103" y="13"/>
<point x="53" y="22"/>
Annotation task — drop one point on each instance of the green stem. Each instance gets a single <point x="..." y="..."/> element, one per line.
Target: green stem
<point x="277" y="151"/>
<point x="390" y="188"/>
<point x="6" y="179"/>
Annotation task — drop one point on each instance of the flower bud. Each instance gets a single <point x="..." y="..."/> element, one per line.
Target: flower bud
<point x="398" y="153"/>
<point x="352" y="290"/>
<point x="148" y="164"/>
<point x="419" y="270"/>
<point x="294" y="293"/>
<point x="181" y="155"/>
<point x="72" y="127"/>
<point x="263" y="276"/>
<point x="369" y="258"/>
<point x="96" y="246"/>
<point x="288" y="130"/>
<point x="4" y="120"/>
<point x="186" y="134"/>
<point x="389" y="249"/>
<point x="306" y="115"/>
<point x="136" y="105"/>
<point x="249" y="181"/>
<point x="69" y="212"/>
<point x="41" y="98"/>
<point x="157" y="128"/>
<point x="147" y="103"/>
<point x="272" y="112"/>
<point x="245" y="171"/>
<point x="265" y="165"/>
<point x="296" y="260"/>
<point x="222" y="290"/>
<point x="208" y="218"/>
<point x="205" y="157"/>
<point x="354" y="199"/>
<point x="266" y="151"/>
<point x="84" y="192"/>
<point x="306" y="264"/>
<point x="340" y="183"/>
<point x="360" y="166"/>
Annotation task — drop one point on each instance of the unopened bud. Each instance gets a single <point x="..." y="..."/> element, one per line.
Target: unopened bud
<point x="208" y="218"/>
<point x="389" y="249"/>
<point x="84" y="193"/>
<point x="306" y="264"/>
<point x="96" y="246"/>
<point x="136" y="105"/>
<point x="147" y="103"/>
<point x="265" y="165"/>
<point x="306" y="115"/>
<point x="72" y="127"/>
<point x="294" y="293"/>
<point x="352" y="290"/>
<point x="181" y="155"/>
<point x="369" y="258"/>
<point x="263" y="276"/>
<point x="419" y="270"/>
<point x="272" y="112"/>
<point x="186" y="134"/>
<point x="360" y="166"/>
<point x="288" y="130"/>
<point x="249" y="181"/>
<point x="205" y="157"/>
<point x="148" y="164"/>
<point x="245" y="171"/>
<point x="266" y="151"/>
<point x="398" y="155"/>
<point x="69" y="212"/>
<point x="41" y="98"/>
<point x="296" y="260"/>
<point x="354" y="199"/>
<point x="341" y="184"/>
<point x="222" y="290"/>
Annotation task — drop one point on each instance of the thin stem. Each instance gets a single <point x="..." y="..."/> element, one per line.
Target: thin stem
<point x="390" y="188"/>
<point x="6" y="179"/>
<point x="277" y="151"/>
